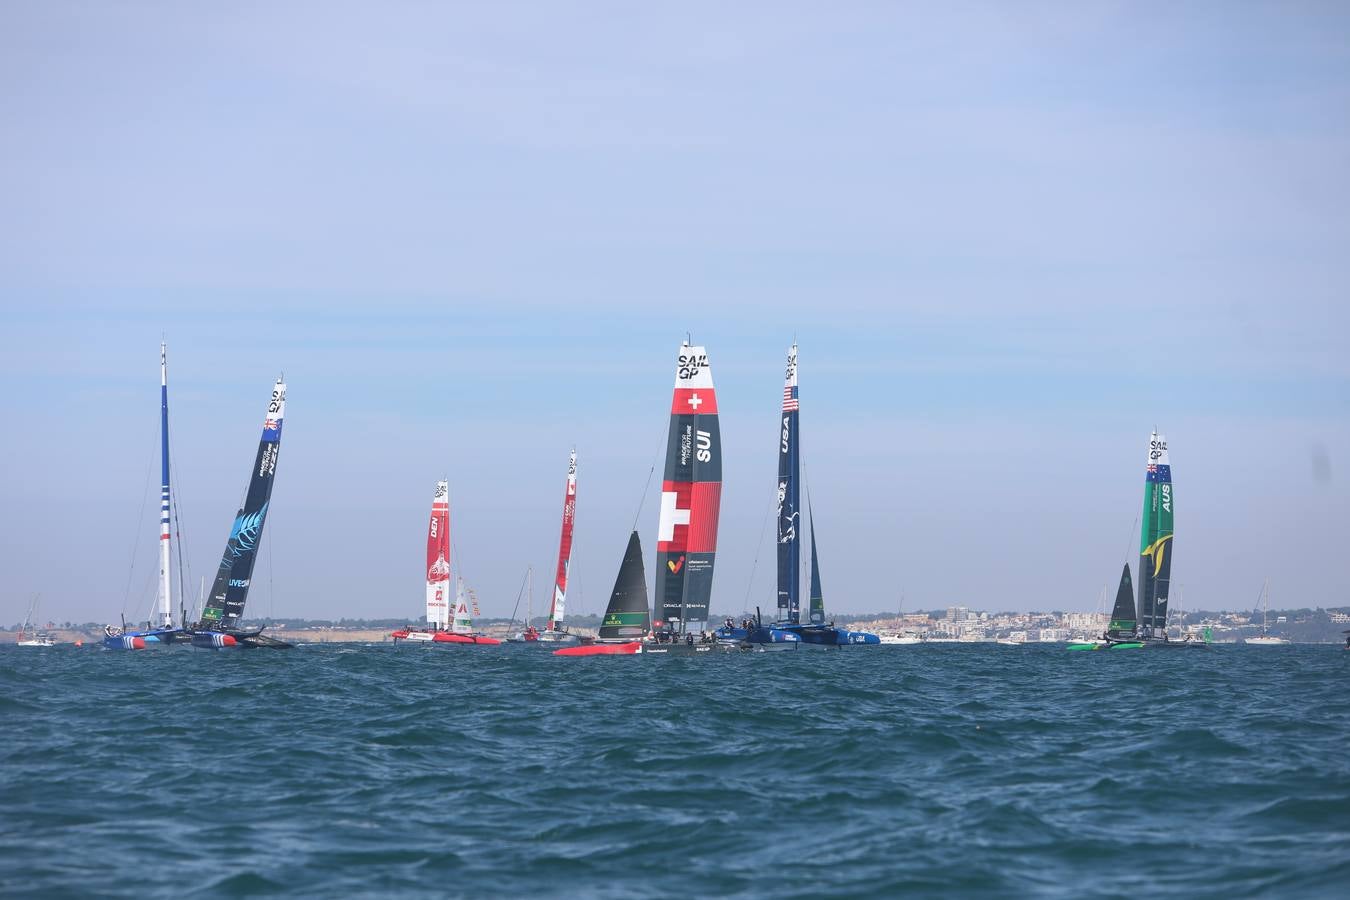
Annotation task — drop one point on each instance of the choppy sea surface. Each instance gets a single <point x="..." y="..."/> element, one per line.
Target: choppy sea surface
<point x="365" y="770"/>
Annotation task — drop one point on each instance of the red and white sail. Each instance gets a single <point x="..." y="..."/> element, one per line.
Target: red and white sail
<point x="438" y="559"/>
<point x="559" y="607"/>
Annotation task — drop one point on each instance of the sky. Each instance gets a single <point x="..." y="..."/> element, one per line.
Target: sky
<point x="1010" y="240"/>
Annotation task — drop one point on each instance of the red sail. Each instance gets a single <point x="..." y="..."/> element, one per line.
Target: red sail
<point x="438" y="559"/>
<point x="558" y="608"/>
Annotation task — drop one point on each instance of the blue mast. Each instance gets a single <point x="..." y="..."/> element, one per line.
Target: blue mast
<point x="789" y="501"/>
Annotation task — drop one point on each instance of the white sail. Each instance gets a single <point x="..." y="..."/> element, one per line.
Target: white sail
<point x="463" y="623"/>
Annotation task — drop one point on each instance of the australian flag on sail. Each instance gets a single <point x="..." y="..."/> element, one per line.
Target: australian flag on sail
<point x="790" y="403"/>
<point x="1160" y="473"/>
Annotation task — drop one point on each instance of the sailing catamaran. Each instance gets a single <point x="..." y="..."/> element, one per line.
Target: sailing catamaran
<point x="1122" y="633"/>
<point x="789" y="632"/>
<point x="1265" y="639"/>
<point x="161" y="630"/>
<point x="691" y="492"/>
<point x="219" y="625"/>
<point x="555" y="632"/>
<point x="627" y="617"/>
<point x="444" y="626"/>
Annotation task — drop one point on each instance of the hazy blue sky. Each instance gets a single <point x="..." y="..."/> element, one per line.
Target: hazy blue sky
<point x="1009" y="237"/>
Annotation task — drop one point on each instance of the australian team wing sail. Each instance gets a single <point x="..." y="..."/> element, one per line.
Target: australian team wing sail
<point x="1155" y="545"/>
<point x="789" y="500"/>
<point x="438" y="559"/>
<point x="691" y="490"/>
<point x="628" y="618"/>
<point x="225" y="606"/>
<point x="559" y="607"/>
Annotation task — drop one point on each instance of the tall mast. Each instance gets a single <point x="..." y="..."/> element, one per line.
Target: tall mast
<point x="789" y="500"/>
<point x="559" y="605"/>
<point x="691" y="493"/>
<point x="438" y="559"/>
<point x="165" y="579"/>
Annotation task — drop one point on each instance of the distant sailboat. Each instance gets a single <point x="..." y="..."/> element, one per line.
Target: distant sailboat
<point x="219" y="625"/>
<point x="1265" y="639"/>
<point x="444" y="625"/>
<point x="161" y="630"/>
<point x="555" y="632"/>
<point x="1123" y="630"/>
<point x="628" y="616"/>
<point x="29" y="637"/>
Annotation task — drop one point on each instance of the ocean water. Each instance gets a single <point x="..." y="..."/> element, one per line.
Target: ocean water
<point x="981" y="770"/>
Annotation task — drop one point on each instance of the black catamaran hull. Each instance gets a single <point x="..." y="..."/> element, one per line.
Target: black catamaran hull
<point x="224" y="640"/>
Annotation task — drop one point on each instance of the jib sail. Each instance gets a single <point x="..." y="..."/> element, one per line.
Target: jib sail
<point x="1123" y="623"/>
<point x="627" y="618"/>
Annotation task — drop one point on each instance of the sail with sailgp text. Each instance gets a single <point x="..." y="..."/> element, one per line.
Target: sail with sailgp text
<point x="691" y="490"/>
<point x="229" y="591"/>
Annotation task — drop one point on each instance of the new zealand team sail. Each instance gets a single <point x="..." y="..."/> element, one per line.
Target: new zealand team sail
<point x="691" y="490"/>
<point x="219" y="625"/>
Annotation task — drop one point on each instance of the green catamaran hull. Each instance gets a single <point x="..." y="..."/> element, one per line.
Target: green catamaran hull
<point x="1114" y="645"/>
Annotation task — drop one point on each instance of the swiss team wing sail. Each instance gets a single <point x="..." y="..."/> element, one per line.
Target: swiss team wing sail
<point x="559" y="607"/>
<point x="691" y="490"/>
<point x="229" y="591"/>
<point x="1123" y="622"/>
<point x="1155" y="546"/>
<point x="628" y="618"/>
<point x="789" y="500"/>
<point x="438" y="558"/>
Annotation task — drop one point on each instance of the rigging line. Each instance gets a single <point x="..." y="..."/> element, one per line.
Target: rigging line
<point x="520" y="593"/>
<point x="759" y="545"/>
<point x="135" y="542"/>
<point x="1129" y="541"/>
<point x="643" y="500"/>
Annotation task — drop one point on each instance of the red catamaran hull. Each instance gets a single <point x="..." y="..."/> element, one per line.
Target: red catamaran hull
<point x="443" y="637"/>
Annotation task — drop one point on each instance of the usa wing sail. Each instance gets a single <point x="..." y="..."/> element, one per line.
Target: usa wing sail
<point x="789" y="500"/>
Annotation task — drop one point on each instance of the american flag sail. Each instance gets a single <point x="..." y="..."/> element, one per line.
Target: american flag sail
<point x="789" y="500"/>
<point x="691" y="491"/>
<point x="1155" y="542"/>
<point x="559" y="607"/>
<point x="438" y="558"/>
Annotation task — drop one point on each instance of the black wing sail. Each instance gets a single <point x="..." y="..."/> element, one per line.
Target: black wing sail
<point x="1123" y="622"/>
<point x="225" y="605"/>
<point x="628" y="618"/>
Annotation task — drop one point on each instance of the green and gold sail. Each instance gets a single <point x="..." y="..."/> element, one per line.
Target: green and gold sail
<point x="1156" y="541"/>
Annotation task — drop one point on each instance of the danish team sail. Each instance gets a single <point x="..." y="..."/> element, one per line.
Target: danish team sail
<point x="225" y="606"/>
<point x="1155" y="546"/>
<point x="789" y="501"/>
<point x="559" y="607"/>
<point x="438" y="559"/>
<point x="691" y="490"/>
